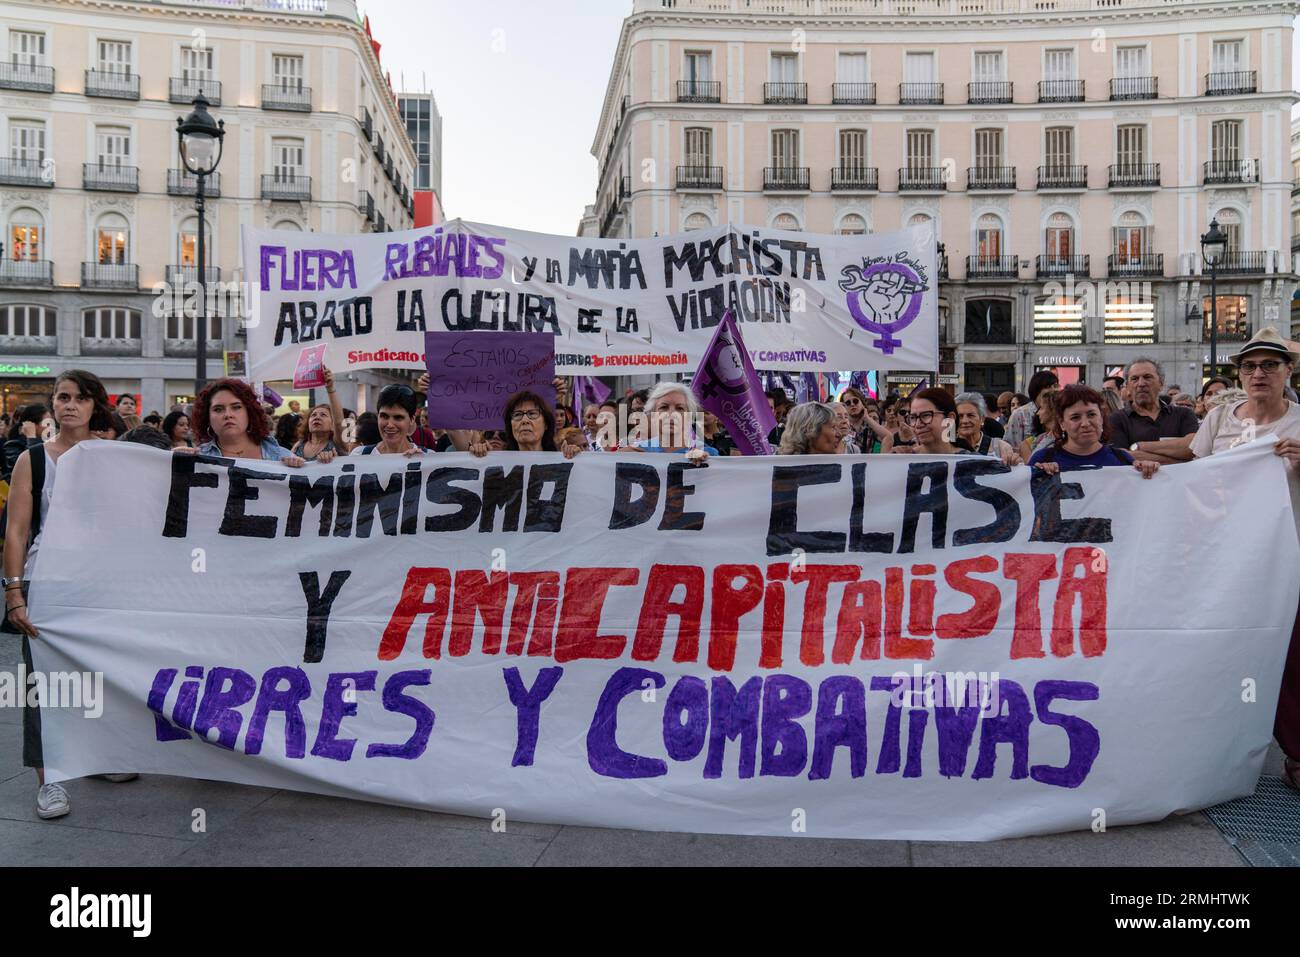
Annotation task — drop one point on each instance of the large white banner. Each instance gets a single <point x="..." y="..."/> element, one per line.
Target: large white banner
<point x="873" y="647"/>
<point x="804" y="301"/>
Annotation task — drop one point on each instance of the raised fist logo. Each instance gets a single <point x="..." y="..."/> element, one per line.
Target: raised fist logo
<point x="890" y="289"/>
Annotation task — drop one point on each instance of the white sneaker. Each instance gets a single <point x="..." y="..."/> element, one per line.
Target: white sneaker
<point x="52" y="801"/>
<point x="118" y="778"/>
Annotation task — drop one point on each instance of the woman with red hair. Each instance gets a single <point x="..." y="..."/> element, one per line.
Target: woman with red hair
<point x="1082" y="432"/>
<point x="229" y="422"/>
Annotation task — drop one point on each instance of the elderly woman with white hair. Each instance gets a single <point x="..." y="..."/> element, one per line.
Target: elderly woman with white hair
<point x="811" y="428"/>
<point x="672" y="412"/>
<point x="971" y="414"/>
<point x="848" y="435"/>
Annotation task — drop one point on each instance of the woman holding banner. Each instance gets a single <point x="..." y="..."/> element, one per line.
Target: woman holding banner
<point x="1265" y="366"/>
<point x="530" y="427"/>
<point x="229" y="422"/>
<point x="1081" y="436"/>
<point x="80" y="407"/>
<point x="671" y="410"/>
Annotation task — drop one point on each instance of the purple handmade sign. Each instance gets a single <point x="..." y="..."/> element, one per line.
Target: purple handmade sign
<point x="727" y="385"/>
<point x="473" y="375"/>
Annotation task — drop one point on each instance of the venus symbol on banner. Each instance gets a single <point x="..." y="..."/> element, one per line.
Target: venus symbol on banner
<point x="891" y="288"/>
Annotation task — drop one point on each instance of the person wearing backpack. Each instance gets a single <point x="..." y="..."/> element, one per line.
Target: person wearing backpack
<point x="80" y="407"/>
<point x="1082" y="433"/>
<point x="23" y="434"/>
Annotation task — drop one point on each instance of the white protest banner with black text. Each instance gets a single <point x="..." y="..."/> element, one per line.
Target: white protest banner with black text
<point x="805" y="301"/>
<point x="873" y="647"/>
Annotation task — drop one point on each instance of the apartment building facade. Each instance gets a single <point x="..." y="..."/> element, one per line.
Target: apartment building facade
<point x="1070" y="152"/>
<point x="97" y="212"/>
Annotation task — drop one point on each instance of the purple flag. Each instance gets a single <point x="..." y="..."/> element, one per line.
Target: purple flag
<point x="592" y="390"/>
<point x="727" y="386"/>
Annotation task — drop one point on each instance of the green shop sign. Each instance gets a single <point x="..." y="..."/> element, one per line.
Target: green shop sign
<point x="24" y="369"/>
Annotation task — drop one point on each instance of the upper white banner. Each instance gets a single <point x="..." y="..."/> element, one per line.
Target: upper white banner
<point x="805" y="302"/>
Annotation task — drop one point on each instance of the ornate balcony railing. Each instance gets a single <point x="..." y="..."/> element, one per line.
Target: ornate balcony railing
<point x="853" y="94"/>
<point x="697" y="91"/>
<point x="1063" y="177"/>
<point x="699" y="177"/>
<point x="785" y="92"/>
<point x="855" y="178"/>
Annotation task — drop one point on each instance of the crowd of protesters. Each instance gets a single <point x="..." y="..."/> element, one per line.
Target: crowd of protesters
<point x="1133" y="421"/>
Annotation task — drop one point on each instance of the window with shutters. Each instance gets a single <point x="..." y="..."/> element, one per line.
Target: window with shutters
<point x="286" y="159"/>
<point x="111" y="322"/>
<point x="853" y="150"/>
<point x="112" y="147"/>
<point x="988" y="67"/>
<point x="1059" y="151"/>
<point x="699" y="147"/>
<point x="196" y="65"/>
<point x="114" y="56"/>
<point x="1130" y="62"/>
<point x="851" y="68"/>
<point x="918" y="68"/>
<point x="1225" y="141"/>
<point x="1131" y="146"/>
<point x="27" y="141"/>
<point x="698" y="67"/>
<point x="1058" y="65"/>
<point x="785" y="149"/>
<point x="784" y="68"/>
<point x="287" y="72"/>
<point x="1226" y="56"/>
<point x="920" y="150"/>
<point x="988" y="149"/>
<point x="26" y="48"/>
<point x="1060" y="236"/>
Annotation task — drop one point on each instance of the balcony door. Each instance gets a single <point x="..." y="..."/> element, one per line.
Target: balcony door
<point x="1227" y="57"/>
<point x="26" y="49"/>
<point x="988" y="150"/>
<point x="988" y="237"/>
<point x="1131" y="62"/>
<point x="196" y="65"/>
<point x="918" y="68"/>
<point x="286" y="160"/>
<point x="1130" y="239"/>
<point x="785" y="149"/>
<point x="920" y="151"/>
<point x="784" y="68"/>
<point x="1131" y="147"/>
<point x="25" y="236"/>
<point x="115" y="57"/>
<point x="1058" y="65"/>
<point x="698" y="68"/>
<point x="286" y="73"/>
<point x="112" y="148"/>
<point x="1059" y="151"/>
<point x="699" y="148"/>
<point x="1225" y="143"/>
<point x="853" y="152"/>
<point x="27" y="143"/>
<point x="851" y="68"/>
<point x="1060" y="237"/>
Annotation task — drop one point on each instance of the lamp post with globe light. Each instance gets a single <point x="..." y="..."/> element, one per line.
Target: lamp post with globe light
<point x="1213" y="245"/>
<point x="200" y="139"/>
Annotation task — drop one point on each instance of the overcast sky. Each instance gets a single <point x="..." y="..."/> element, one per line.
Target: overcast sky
<point x="520" y="85"/>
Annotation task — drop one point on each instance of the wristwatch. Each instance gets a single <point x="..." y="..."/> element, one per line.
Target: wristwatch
<point x="12" y="581"/>
<point x="1134" y="447"/>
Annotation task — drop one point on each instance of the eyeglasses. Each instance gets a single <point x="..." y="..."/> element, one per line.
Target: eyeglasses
<point x="520" y="415"/>
<point x="852" y="402"/>
<point x="920" y="418"/>
<point x="1268" y="365"/>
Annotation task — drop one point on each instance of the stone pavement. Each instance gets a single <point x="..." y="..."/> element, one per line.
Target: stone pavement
<point x="148" y="822"/>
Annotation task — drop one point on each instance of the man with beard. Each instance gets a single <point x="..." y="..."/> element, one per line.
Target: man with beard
<point x="1152" y="430"/>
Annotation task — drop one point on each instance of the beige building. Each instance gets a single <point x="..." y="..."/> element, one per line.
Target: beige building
<point x="1071" y="153"/>
<point x="94" y="204"/>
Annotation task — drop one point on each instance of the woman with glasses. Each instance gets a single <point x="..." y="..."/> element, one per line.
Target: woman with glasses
<point x="972" y="413"/>
<point x="856" y="404"/>
<point x="1265" y="366"/>
<point x="932" y="416"/>
<point x="530" y="427"/>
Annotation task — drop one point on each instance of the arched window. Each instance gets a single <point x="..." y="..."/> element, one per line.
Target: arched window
<point x="287" y="224"/>
<point x="26" y="232"/>
<point x="786" y="221"/>
<point x="187" y="243"/>
<point x="1130" y="239"/>
<point x="1060" y="236"/>
<point x="920" y="219"/>
<point x="852" y="225"/>
<point x="697" y="221"/>
<point x="1230" y="223"/>
<point x="112" y="239"/>
<point x="988" y="236"/>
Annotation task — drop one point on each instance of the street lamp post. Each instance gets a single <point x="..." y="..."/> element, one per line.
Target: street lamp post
<point x="1213" y="245"/>
<point x="200" y="139"/>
